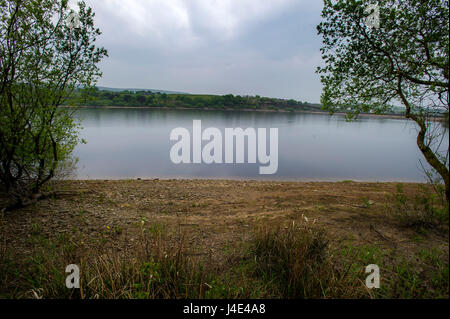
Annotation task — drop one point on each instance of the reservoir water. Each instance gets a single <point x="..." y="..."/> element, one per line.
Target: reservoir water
<point x="132" y="143"/>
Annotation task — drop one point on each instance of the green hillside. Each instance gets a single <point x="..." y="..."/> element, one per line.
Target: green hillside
<point x="149" y="98"/>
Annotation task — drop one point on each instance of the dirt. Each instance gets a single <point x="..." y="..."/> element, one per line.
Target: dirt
<point x="214" y="215"/>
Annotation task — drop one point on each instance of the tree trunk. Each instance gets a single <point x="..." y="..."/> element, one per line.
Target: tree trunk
<point x="431" y="157"/>
<point x="425" y="149"/>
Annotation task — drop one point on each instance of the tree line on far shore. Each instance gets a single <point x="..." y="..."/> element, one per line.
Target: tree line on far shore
<point x="145" y="98"/>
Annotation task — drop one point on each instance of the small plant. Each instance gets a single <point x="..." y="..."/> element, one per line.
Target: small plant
<point x="366" y="202"/>
<point x="425" y="211"/>
<point x="35" y="229"/>
<point x="156" y="229"/>
<point x="117" y="229"/>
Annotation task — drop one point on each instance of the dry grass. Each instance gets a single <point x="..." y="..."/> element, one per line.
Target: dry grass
<point x="220" y="239"/>
<point x="297" y="260"/>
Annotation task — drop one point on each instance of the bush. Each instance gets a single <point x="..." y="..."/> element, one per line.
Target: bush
<point x="427" y="210"/>
<point x="296" y="260"/>
<point x="37" y="137"/>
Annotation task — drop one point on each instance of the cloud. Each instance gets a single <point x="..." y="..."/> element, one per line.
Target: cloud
<point x="227" y="18"/>
<point x="156" y="20"/>
<point x="212" y="46"/>
<point x="182" y="23"/>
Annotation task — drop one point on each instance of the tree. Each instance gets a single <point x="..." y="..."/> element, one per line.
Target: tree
<point x="127" y="97"/>
<point x="164" y="98"/>
<point x="44" y="57"/>
<point x="402" y="60"/>
<point x="228" y="100"/>
<point x="141" y="99"/>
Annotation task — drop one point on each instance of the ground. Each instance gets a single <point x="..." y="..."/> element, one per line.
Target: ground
<point x="215" y="215"/>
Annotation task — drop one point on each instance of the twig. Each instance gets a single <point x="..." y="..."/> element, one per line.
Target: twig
<point x="379" y="233"/>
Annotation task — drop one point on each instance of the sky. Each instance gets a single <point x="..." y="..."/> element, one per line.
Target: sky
<point x="242" y="47"/>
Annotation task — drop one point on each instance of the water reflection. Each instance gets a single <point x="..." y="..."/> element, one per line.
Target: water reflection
<point x="130" y="143"/>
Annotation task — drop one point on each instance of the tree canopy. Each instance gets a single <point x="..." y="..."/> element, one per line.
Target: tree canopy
<point x="44" y="56"/>
<point x="402" y="60"/>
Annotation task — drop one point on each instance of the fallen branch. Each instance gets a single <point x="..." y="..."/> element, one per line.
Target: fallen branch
<point x="35" y="198"/>
<point x="379" y="233"/>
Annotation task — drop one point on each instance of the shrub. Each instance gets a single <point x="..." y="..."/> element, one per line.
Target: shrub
<point x="296" y="260"/>
<point x="425" y="211"/>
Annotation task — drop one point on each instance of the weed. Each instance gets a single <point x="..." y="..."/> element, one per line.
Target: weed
<point x="423" y="212"/>
<point x="295" y="261"/>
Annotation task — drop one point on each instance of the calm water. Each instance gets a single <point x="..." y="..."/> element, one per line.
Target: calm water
<point x="131" y="143"/>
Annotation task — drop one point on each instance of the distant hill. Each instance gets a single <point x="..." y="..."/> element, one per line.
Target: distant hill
<point x="106" y="96"/>
<point x="134" y="90"/>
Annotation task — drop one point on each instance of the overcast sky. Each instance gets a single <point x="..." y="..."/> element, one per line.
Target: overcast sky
<point x="246" y="47"/>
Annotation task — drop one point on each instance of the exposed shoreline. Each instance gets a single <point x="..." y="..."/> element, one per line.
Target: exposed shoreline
<point x="246" y="179"/>
<point x="386" y="116"/>
<point x="101" y="220"/>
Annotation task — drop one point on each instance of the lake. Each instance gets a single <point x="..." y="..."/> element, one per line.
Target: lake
<point x="132" y="143"/>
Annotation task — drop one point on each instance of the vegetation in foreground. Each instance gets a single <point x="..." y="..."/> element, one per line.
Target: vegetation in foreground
<point x="43" y="58"/>
<point x="293" y="256"/>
